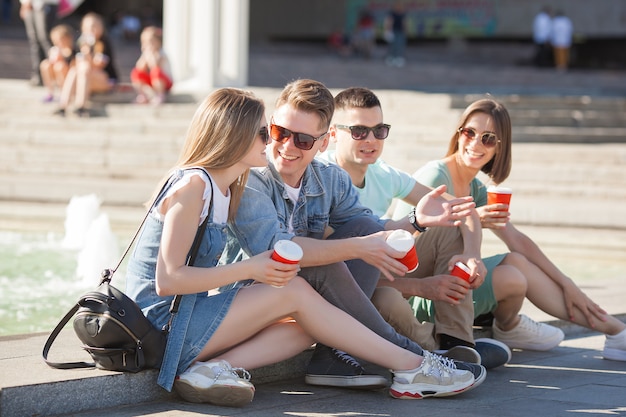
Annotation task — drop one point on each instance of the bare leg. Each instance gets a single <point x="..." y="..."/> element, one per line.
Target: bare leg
<point x="60" y="70"/>
<point x="548" y="296"/>
<point x="69" y="87"/>
<point x="510" y="288"/>
<point x="300" y="301"/>
<point x="47" y="75"/>
<point x="82" y="84"/>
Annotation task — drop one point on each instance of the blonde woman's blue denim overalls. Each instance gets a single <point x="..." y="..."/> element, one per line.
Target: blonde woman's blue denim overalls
<point x="198" y="316"/>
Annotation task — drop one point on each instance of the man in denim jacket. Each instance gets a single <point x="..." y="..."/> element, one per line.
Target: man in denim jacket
<point x="300" y="199"/>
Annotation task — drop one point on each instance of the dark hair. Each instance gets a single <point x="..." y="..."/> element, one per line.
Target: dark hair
<point x="356" y="97"/>
<point x="499" y="167"/>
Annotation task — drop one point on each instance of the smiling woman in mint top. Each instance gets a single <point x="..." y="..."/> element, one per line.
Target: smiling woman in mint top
<point x="482" y="142"/>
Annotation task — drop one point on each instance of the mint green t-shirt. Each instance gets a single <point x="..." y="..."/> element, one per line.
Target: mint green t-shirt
<point x="383" y="183"/>
<point x="434" y="174"/>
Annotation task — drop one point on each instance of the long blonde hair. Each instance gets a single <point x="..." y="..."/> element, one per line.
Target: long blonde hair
<point x="221" y="133"/>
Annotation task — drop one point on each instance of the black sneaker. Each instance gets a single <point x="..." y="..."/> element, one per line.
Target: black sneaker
<point x="334" y="368"/>
<point x="479" y="371"/>
<point x="484" y="320"/>
<point x="493" y="353"/>
<point x="461" y="353"/>
<point x="83" y="113"/>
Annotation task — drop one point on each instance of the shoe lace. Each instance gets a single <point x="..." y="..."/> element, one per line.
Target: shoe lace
<point x="241" y="373"/>
<point x="225" y="367"/>
<point x="529" y="324"/>
<point x="346" y="358"/>
<point x="439" y="363"/>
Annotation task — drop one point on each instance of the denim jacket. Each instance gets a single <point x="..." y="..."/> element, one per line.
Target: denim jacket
<point x="326" y="198"/>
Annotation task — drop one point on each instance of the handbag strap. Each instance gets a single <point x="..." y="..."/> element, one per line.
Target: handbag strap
<point x="107" y="275"/>
<point x="53" y="336"/>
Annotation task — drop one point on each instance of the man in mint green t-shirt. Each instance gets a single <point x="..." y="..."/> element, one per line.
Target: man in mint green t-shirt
<point x="358" y="132"/>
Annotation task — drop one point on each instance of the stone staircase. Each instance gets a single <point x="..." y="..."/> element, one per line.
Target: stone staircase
<point x="569" y="153"/>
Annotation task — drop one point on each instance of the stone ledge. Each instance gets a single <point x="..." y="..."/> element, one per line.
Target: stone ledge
<point x="45" y="391"/>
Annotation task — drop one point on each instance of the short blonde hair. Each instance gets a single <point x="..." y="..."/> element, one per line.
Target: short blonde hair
<point x="152" y="32"/>
<point x="309" y="96"/>
<point x="61" y="31"/>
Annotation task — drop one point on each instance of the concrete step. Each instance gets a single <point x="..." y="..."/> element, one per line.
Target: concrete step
<point x="45" y="391"/>
<point x="559" y="134"/>
<point x="516" y="102"/>
<point x="568" y="118"/>
<point x="46" y="159"/>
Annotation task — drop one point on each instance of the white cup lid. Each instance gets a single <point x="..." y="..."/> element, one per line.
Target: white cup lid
<point x="288" y="250"/>
<point x="499" y="189"/>
<point x="400" y="240"/>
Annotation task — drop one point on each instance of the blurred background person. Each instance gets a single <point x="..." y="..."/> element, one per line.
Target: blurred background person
<point x="561" y="39"/>
<point x="38" y="17"/>
<point x="542" y="26"/>
<point x="60" y="56"/>
<point x="395" y="29"/>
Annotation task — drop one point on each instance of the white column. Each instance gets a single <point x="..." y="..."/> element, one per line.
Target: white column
<point x="176" y="36"/>
<point x="234" y="33"/>
<point x="207" y="42"/>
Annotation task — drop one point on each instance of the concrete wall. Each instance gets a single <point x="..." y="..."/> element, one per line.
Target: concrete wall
<point x="308" y="19"/>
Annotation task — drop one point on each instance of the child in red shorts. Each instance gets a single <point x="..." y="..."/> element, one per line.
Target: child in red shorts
<point x="152" y="76"/>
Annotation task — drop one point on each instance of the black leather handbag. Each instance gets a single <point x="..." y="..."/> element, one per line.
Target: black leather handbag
<point x="112" y="327"/>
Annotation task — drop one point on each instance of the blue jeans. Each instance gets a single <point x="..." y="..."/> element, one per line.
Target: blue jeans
<point x="349" y="286"/>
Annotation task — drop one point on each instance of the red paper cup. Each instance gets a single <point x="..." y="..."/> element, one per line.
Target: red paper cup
<point x="499" y="195"/>
<point x="461" y="270"/>
<point x="402" y="241"/>
<point x="287" y="252"/>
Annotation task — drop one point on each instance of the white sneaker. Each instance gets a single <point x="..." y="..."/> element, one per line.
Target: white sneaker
<point x="435" y="377"/>
<point x="615" y="347"/>
<point x="529" y="335"/>
<point x="216" y="383"/>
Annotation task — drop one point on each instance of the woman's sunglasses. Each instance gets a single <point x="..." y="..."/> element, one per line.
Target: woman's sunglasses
<point x="488" y="139"/>
<point x="264" y="134"/>
<point x="301" y="140"/>
<point x="380" y="131"/>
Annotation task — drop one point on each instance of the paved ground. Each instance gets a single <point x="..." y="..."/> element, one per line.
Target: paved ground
<point x="570" y="380"/>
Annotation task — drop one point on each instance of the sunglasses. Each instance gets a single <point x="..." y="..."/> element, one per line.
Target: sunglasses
<point x="301" y="140"/>
<point x="265" y="136"/>
<point x="488" y="139"/>
<point x="380" y="131"/>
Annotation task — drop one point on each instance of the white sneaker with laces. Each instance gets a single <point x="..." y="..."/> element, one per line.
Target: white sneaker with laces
<point x="529" y="335"/>
<point x="216" y="383"/>
<point x="615" y="347"/>
<point x="435" y="377"/>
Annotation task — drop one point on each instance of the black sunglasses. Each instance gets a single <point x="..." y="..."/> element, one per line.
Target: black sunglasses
<point x="380" y="131"/>
<point x="265" y="136"/>
<point x="301" y="140"/>
<point x="487" y="138"/>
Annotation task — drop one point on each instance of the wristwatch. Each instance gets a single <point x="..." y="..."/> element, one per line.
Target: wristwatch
<point x="414" y="222"/>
